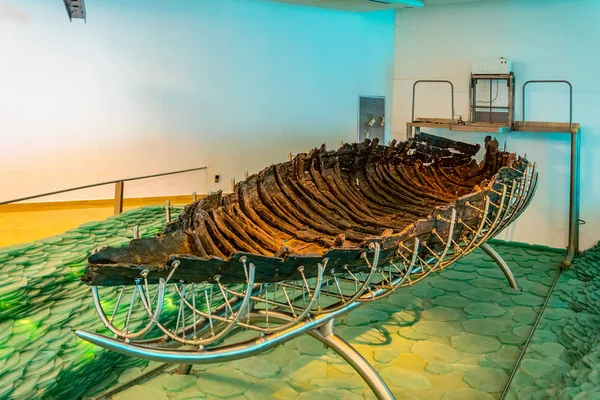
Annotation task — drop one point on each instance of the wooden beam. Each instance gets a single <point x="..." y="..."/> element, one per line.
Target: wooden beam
<point x="119" y="189"/>
<point x="557" y="127"/>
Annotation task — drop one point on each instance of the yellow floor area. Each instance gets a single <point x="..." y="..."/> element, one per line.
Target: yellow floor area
<point x="24" y="226"/>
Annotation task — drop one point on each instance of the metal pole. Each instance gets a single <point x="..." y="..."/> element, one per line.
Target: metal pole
<point x="168" y="210"/>
<point x="119" y="188"/>
<point x="512" y="281"/>
<point x="355" y="359"/>
<point x="194" y="197"/>
<point x="573" y="246"/>
<point x="184" y="369"/>
<point x="531" y="333"/>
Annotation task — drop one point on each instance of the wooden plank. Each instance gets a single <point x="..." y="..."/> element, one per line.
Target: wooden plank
<point x="119" y="190"/>
<point x="474" y="127"/>
<point x="535" y="126"/>
<point x="492" y="76"/>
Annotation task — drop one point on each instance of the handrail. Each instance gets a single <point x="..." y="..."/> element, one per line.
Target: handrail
<point x="118" y="182"/>
<point x="551" y="81"/>
<point x="431" y="81"/>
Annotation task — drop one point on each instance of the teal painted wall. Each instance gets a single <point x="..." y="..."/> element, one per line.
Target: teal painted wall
<point x="548" y="39"/>
<point x="151" y="86"/>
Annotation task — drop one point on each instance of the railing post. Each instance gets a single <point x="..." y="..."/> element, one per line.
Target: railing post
<point x="168" y="210"/>
<point x="119" y="187"/>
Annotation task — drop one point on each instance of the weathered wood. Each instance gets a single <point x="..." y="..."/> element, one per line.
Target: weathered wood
<point x="323" y="204"/>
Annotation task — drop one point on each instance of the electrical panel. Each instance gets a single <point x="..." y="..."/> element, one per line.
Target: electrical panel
<point x="371" y="118"/>
<point x="492" y="66"/>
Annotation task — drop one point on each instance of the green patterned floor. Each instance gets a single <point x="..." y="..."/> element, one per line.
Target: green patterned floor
<point x="457" y="335"/>
<point x="42" y="301"/>
<point x="563" y="360"/>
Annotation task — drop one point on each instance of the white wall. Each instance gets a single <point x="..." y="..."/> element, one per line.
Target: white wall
<point x="548" y="39"/>
<point x="149" y="86"/>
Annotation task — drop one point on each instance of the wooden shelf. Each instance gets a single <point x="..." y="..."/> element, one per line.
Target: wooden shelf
<point x="455" y="126"/>
<point x="441" y="123"/>
<point x="558" y="127"/>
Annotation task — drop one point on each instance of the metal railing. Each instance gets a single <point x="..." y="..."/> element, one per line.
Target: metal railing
<point x="433" y="81"/>
<point x="119" y="188"/>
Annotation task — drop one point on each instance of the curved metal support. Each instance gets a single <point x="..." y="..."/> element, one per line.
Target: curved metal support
<point x="431" y="81"/>
<point x="354" y="358"/>
<point x="320" y="327"/>
<point x="231" y="322"/>
<point x="154" y="317"/>
<point x="218" y="354"/>
<point x="512" y="281"/>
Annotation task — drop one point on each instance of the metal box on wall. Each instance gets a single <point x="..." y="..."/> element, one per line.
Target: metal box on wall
<point x="371" y="118"/>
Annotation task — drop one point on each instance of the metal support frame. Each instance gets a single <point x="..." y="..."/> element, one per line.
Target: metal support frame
<point x="509" y="78"/>
<point x="510" y="277"/>
<point x="281" y="311"/>
<point x="432" y="81"/>
<point x="574" y="192"/>
<point x="354" y="358"/>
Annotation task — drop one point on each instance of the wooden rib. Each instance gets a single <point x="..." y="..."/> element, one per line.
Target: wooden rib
<point x="277" y="205"/>
<point x="255" y="231"/>
<point x="204" y="236"/>
<point x="400" y="191"/>
<point x="407" y="180"/>
<point x="299" y="208"/>
<point x="380" y="188"/>
<point x="452" y="180"/>
<point x="238" y="235"/>
<point x="358" y="210"/>
<point x="224" y="245"/>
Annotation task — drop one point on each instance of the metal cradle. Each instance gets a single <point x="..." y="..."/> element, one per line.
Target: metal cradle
<point x="196" y="323"/>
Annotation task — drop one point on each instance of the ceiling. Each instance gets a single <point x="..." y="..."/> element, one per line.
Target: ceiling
<point x="359" y="5"/>
<point x="374" y="5"/>
<point x="442" y="2"/>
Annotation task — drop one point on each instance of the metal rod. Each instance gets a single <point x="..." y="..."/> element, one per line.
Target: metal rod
<point x="194" y="196"/>
<point x="184" y="369"/>
<point x="551" y="81"/>
<point x="100" y="184"/>
<point x="573" y="245"/>
<point x="526" y="345"/>
<point x="512" y="281"/>
<point x="355" y="359"/>
<point x="168" y="210"/>
<point x="431" y="81"/>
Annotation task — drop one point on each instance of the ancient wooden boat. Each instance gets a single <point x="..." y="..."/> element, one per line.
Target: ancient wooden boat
<point x="300" y="244"/>
<point x="425" y="202"/>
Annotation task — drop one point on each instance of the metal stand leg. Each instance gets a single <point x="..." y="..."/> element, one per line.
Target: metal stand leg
<point x="354" y="358"/>
<point x="573" y="246"/>
<point x="184" y="369"/>
<point x="502" y="264"/>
